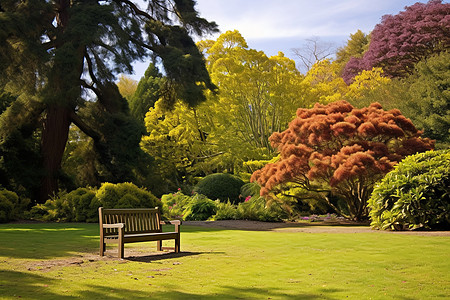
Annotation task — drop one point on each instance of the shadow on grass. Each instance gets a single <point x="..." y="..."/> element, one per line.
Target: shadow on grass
<point x="157" y="257"/>
<point x="47" y="240"/>
<point x="14" y="284"/>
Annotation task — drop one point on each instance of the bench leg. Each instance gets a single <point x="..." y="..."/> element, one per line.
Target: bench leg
<point x="159" y="245"/>
<point x="120" y="244"/>
<point x="177" y="244"/>
<point x="102" y="248"/>
<point x="121" y="250"/>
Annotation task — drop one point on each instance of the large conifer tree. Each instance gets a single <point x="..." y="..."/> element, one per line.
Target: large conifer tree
<point x="57" y="56"/>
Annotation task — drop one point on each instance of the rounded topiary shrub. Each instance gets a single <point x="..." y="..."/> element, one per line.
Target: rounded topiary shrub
<point x="220" y="186"/>
<point x="125" y="195"/>
<point x="416" y="194"/>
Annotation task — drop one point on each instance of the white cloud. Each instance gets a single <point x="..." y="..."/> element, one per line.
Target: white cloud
<point x="257" y="19"/>
<point x="280" y="25"/>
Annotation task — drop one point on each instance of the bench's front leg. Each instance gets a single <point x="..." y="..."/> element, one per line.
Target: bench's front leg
<point x="177" y="243"/>
<point x="120" y="245"/>
<point x="177" y="240"/>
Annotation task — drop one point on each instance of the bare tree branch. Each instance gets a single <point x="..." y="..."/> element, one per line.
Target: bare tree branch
<point x="313" y="51"/>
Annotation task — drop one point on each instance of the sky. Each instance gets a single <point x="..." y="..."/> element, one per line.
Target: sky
<point x="281" y="25"/>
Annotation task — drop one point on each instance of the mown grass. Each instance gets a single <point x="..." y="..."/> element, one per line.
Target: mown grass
<point x="224" y="264"/>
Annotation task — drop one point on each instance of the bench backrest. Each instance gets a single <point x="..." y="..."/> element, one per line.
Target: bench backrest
<point x="136" y="220"/>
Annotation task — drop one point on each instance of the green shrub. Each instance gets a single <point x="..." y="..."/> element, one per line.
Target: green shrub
<point x="199" y="208"/>
<point x="11" y="205"/>
<point x="220" y="186"/>
<point x="79" y="205"/>
<point x="416" y="194"/>
<point x="254" y="208"/>
<point x="174" y="205"/>
<point x="250" y="189"/>
<point x="7" y="199"/>
<point x="54" y="209"/>
<point x="125" y="195"/>
<point x="86" y="205"/>
<point x="226" y="211"/>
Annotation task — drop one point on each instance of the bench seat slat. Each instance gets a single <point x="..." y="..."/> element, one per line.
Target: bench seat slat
<point x="142" y="237"/>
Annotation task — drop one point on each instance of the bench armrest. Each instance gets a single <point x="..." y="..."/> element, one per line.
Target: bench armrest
<point x="116" y="225"/>
<point x="177" y="224"/>
<point x="173" y="222"/>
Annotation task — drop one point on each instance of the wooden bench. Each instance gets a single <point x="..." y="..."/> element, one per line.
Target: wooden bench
<point x="120" y="226"/>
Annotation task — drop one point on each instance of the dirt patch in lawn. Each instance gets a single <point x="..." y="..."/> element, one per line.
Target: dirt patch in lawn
<point x="76" y="260"/>
<point x="85" y="259"/>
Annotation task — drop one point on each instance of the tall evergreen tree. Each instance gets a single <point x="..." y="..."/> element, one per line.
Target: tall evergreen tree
<point x="356" y="46"/>
<point x="149" y="90"/>
<point x="57" y="53"/>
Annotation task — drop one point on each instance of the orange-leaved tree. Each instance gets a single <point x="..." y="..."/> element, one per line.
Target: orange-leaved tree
<point x="335" y="153"/>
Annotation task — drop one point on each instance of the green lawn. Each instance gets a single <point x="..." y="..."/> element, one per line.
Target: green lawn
<point x="223" y="264"/>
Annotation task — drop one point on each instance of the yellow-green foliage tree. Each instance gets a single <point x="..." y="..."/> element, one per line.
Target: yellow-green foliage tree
<point x="365" y="85"/>
<point x="258" y="95"/>
<point x="178" y="140"/>
<point x="323" y="83"/>
<point x="127" y="86"/>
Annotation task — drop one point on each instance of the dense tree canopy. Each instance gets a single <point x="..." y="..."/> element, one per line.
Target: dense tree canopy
<point x="53" y="52"/>
<point x="338" y="151"/>
<point x="178" y="140"/>
<point x="423" y="96"/>
<point x="364" y="84"/>
<point x="402" y="40"/>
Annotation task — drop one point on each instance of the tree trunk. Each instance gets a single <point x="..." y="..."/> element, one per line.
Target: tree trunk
<point x="62" y="86"/>
<point x="54" y="138"/>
